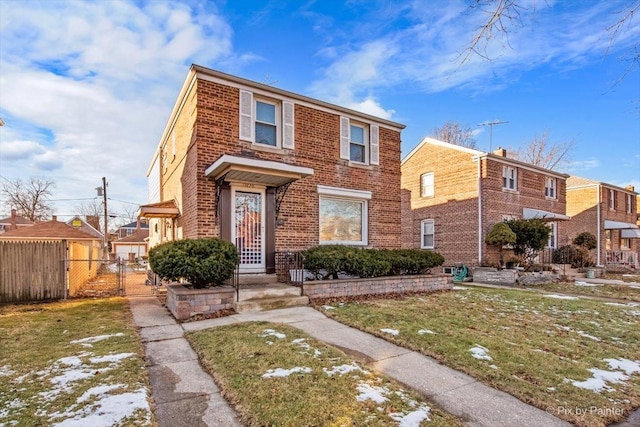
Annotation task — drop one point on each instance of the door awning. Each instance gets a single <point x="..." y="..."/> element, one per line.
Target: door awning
<point x="618" y="225"/>
<point x="159" y="210"/>
<point x="528" y="213"/>
<point x="630" y="233"/>
<point x="267" y="172"/>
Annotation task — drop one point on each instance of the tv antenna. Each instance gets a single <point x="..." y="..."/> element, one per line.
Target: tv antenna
<point x="491" y="125"/>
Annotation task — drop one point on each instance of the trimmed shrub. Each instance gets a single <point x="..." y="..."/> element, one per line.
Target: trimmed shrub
<point x="577" y="256"/>
<point x="586" y="240"/>
<point x="328" y="261"/>
<point x="201" y="262"/>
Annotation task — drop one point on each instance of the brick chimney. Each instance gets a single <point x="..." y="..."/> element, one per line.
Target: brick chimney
<point x="54" y="218"/>
<point x="630" y="188"/>
<point x="14" y="225"/>
<point x="500" y="152"/>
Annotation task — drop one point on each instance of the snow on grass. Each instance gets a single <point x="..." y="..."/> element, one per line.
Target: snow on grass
<point x="110" y="358"/>
<point x="556" y="296"/>
<point x="6" y="371"/>
<point x="105" y="410"/>
<point x="588" y="285"/>
<point x="344" y="369"/>
<point x="426" y="331"/>
<point x="479" y="352"/>
<point x="272" y="333"/>
<point x="586" y="335"/>
<point x="328" y="307"/>
<point x="371" y="392"/>
<point x="89" y="341"/>
<point x="413" y="418"/>
<point x="621" y="370"/>
<point x="280" y="372"/>
<point x="459" y="288"/>
<point x="306" y="347"/>
<point x="390" y="331"/>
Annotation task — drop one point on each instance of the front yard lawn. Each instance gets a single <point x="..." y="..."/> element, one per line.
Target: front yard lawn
<point x="623" y="292"/>
<point x="276" y="375"/>
<point x="579" y="359"/>
<point x="72" y="363"/>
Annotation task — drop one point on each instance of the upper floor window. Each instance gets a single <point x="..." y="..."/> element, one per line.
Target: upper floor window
<point x="509" y="178"/>
<point x="426" y="185"/>
<point x="268" y="122"/>
<point x="550" y="188"/>
<point x="612" y="200"/>
<point x="427" y="234"/>
<point x="629" y="203"/>
<point x="359" y="142"/>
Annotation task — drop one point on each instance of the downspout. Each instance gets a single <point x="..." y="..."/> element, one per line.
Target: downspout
<point x="598" y="188"/>
<point x="479" y="211"/>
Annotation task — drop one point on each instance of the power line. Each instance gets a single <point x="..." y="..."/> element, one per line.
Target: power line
<point x="124" y="201"/>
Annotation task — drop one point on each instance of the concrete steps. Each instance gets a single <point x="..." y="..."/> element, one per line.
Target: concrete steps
<point x="262" y="292"/>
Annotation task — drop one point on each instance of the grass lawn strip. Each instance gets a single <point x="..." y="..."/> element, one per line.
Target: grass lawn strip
<point x="579" y="359"/>
<point x="277" y="375"/>
<point x="621" y="292"/>
<point x="72" y="363"/>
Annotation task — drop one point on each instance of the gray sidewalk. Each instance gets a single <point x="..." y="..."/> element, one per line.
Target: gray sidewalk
<point x="186" y="396"/>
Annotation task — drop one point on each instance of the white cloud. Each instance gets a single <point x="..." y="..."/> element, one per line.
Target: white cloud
<point x="579" y="166"/>
<point x="19" y="149"/>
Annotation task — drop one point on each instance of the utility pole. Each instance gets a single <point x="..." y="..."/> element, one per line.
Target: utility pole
<point x="491" y="124"/>
<point x="102" y="191"/>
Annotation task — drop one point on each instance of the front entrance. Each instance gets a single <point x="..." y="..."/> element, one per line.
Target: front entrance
<point x="248" y="227"/>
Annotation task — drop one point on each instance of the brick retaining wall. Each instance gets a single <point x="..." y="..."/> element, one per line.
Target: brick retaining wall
<point x="184" y="303"/>
<point x="378" y="285"/>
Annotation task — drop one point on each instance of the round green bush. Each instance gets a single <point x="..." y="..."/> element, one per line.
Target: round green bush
<point x="200" y="262"/>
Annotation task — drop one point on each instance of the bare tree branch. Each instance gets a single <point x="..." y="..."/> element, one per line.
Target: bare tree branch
<point x="455" y="133"/>
<point x="29" y="199"/>
<point x="541" y="152"/>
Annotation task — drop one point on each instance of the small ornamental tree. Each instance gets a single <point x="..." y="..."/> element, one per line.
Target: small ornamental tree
<point x="586" y="240"/>
<point x="500" y="235"/>
<point x="201" y="262"/>
<point x="531" y="237"/>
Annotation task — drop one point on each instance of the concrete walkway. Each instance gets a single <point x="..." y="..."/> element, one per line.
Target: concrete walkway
<point x="186" y="396"/>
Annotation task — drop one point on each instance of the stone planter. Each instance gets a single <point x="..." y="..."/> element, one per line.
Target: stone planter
<point x="495" y="277"/>
<point x="185" y="303"/>
<point x="376" y="286"/>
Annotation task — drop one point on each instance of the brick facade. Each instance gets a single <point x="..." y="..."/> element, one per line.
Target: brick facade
<point x="589" y="205"/>
<point x="205" y="125"/>
<point x="461" y="175"/>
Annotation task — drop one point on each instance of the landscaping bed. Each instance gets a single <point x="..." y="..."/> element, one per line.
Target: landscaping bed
<point x="75" y="362"/>
<point x="277" y="375"/>
<point x="578" y="359"/>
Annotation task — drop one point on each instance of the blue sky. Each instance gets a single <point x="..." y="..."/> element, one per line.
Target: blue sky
<point x="86" y="87"/>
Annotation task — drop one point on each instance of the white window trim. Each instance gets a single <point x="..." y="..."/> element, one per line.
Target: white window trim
<point x="612" y="200"/>
<point x="432" y="186"/>
<point x="551" y="184"/>
<point x="285" y="119"/>
<point x="506" y="178"/>
<point x="422" y="223"/>
<point x="371" y="141"/>
<point x="553" y="234"/>
<point x="360" y="196"/>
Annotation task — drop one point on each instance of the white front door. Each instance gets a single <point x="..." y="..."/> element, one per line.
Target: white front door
<point x="247" y="227"/>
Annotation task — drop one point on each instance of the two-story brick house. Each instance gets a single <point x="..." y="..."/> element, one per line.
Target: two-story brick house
<point x="610" y="213"/>
<point x="271" y="170"/>
<point x="452" y="196"/>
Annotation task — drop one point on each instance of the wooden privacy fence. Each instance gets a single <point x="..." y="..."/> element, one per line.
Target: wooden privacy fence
<point x="32" y="271"/>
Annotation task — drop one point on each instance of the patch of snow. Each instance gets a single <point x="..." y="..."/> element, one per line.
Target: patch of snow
<point x="87" y="342"/>
<point x="390" y="331"/>
<point x="413" y="418"/>
<point x="344" y="369"/>
<point x="493" y="367"/>
<point x="459" y="288"/>
<point x="588" y="285"/>
<point x="70" y="361"/>
<point x="551" y="389"/>
<point x="426" y="331"/>
<point x="373" y="393"/>
<point x="479" y="352"/>
<point x="280" y="372"/>
<point x="634" y="286"/>
<point x="6" y="371"/>
<point x="305" y="346"/>
<point x="626" y="365"/>
<point x="328" y="307"/>
<point x="111" y="358"/>
<point x="598" y="382"/>
<point x="616" y="304"/>
<point x="272" y="333"/>
<point x="107" y="410"/>
<point x="556" y="296"/>
<point x="586" y="335"/>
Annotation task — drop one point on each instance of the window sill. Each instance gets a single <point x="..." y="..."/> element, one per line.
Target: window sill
<point x="339" y="242"/>
<point x="551" y="198"/>
<point x="509" y="190"/>
<point x="359" y="165"/>
<point x="269" y="149"/>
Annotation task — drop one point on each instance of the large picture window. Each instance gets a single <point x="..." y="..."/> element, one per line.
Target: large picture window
<point x="343" y="219"/>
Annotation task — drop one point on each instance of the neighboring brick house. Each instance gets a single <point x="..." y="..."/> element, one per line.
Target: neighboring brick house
<point x="132" y="246"/>
<point x="14" y="222"/>
<point x="130" y="228"/>
<point x="272" y="171"/>
<point x="610" y="213"/>
<point x="453" y="195"/>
